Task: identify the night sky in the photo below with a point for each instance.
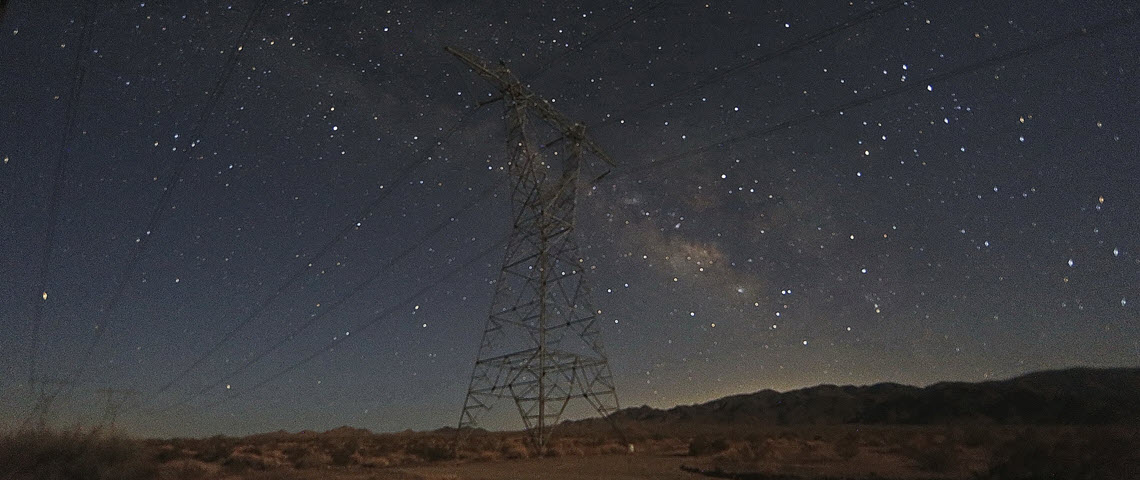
(805, 194)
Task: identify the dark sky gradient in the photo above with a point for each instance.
(977, 226)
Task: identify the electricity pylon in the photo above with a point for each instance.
(113, 400)
(44, 400)
(540, 346)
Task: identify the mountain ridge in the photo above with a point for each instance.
(1080, 395)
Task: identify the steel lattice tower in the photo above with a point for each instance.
(540, 346)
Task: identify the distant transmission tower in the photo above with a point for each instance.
(113, 400)
(44, 400)
(540, 346)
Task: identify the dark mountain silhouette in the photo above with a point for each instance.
(347, 431)
(1078, 396)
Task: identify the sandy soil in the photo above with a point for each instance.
(616, 467)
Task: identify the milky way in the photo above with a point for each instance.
(233, 208)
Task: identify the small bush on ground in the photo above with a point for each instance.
(75, 454)
(1033, 455)
(847, 446)
(343, 454)
(932, 454)
(216, 449)
(430, 451)
(702, 445)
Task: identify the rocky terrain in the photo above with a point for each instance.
(1078, 423)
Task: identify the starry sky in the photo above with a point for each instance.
(287, 215)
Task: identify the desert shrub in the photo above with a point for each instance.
(216, 449)
(847, 446)
(703, 445)
(743, 452)
(477, 444)
(305, 456)
(876, 440)
(167, 453)
(939, 457)
(431, 451)
(481, 455)
(248, 457)
(311, 458)
(369, 462)
(1031, 456)
(188, 469)
(566, 448)
(808, 449)
(271, 475)
(72, 455)
(294, 452)
(614, 448)
(513, 450)
(342, 454)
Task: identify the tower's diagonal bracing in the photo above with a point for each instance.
(541, 346)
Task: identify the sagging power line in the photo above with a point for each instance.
(657, 164)
(259, 308)
(363, 326)
(63, 155)
(541, 346)
(333, 306)
(628, 19)
(141, 242)
(850, 22)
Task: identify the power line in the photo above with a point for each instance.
(164, 199)
(365, 213)
(735, 69)
(594, 37)
(403, 174)
(934, 79)
(380, 271)
(388, 312)
(541, 300)
(62, 156)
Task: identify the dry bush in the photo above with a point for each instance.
(215, 449)
(702, 445)
(251, 457)
(485, 456)
(1103, 454)
(310, 458)
(809, 449)
(569, 449)
(513, 449)
(277, 475)
(932, 453)
(187, 469)
(430, 449)
(384, 446)
(847, 446)
(74, 454)
(742, 453)
(613, 449)
(342, 453)
(370, 462)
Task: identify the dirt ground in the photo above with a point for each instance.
(862, 452)
(615, 467)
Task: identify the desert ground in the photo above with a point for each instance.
(582, 452)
